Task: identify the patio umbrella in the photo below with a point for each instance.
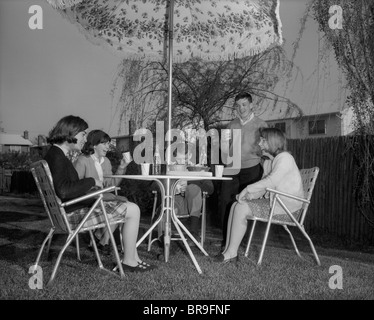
(177, 30)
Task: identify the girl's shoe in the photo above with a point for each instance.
(103, 249)
(145, 264)
(141, 267)
(221, 259)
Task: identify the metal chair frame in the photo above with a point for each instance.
(309, 177)
(55, 210)
(203, 220)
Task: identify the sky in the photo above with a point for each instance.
(49, 73)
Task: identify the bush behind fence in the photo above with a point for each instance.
(333, 209)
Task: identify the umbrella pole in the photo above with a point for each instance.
(170, 43)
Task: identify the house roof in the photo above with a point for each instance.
(281, 111)
(14, 140)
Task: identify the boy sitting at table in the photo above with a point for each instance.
(188, 196)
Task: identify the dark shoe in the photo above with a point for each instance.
(103, 249)
(191, 243)
(223, 246)
(221, 259)
(194, 225)
(142, 267)
(119, 248)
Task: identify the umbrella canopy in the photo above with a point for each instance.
(157, 30)
(208, 29)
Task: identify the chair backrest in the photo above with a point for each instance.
(52, 204)
(309, 177)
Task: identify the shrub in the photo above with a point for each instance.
(17, 160)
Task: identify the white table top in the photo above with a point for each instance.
(166, 176)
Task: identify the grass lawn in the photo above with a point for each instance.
(282, 274)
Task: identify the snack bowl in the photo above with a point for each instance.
(177, 167)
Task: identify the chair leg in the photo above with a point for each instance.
(250, 238)
(49, 245)
(293, 240)
(311, 244)
(77, 246)
(267, 232)
(121, 237)
(203, 221)
(301, 228)
(67, 243)
(114, 245)
(47, 238)
(153, 215)
(99, 262)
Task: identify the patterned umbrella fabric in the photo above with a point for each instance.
(208, 29)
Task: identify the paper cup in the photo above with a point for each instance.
(145, 168)
(127, 157)
(219, 170)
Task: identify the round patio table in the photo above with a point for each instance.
(167, 184)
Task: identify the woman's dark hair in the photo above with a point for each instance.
(243, 95)
(276, 140)
(66, 129)
(94, 138)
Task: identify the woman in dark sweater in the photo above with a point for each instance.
(69, 134)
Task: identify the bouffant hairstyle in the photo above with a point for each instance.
(276, 140)
(66, 129)
(243, 95)
(94, 138)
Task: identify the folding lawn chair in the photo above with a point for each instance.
(296, 219)
(58, 218)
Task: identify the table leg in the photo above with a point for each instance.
(167, 216)
(178, 222)
(187, 247)
(150, 229)
(159, 219)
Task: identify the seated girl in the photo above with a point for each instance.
(68, 135)
(283, 175)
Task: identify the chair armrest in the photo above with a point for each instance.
(116, 190)
(287, 195)
(88, 196)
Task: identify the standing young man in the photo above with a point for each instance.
(251, 169)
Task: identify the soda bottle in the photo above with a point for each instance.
(203, 156)
(157, 162)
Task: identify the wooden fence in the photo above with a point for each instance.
(333, 209)
(5, 180)
(16, 181)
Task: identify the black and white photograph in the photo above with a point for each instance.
(187, 156)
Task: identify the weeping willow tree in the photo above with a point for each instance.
(202, 91)
(348, 29)
(138, 92)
